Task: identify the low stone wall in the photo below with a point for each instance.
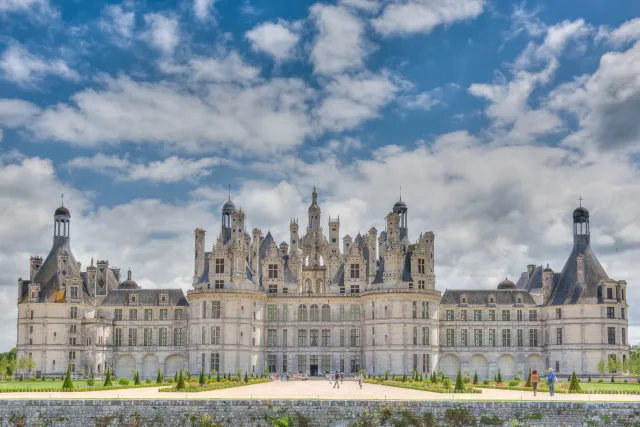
(347, 413)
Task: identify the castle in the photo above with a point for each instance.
(309, 306)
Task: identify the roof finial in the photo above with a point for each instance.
(400, 193)
(580, 198)
(62, 197)
(229, 192)
(129, 274)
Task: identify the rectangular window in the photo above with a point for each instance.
(72, 355)
(285, 339)
(342, 315)
(609, 293)
(506, 315)
(533, 337)
(463, 315)
(415, 362)
(133, 314)
(622, 313)
(355, 289)
(215, 335)
(611, 313)
(272, 312)
(214, 365)
(426, 363)
(492, 315)
(72, 329)
(623, 337)
(273, 271)
(477, 315)
(355, 337)
(219, 266)
(506, 337)
(420, 284)
(425, 310)
(558, 336)
(215, 309)
(354, 269)
(415, 335)
(341, 363)
(273, 289)
(326, 363)
(342, 340)
(355, 364)
(557, 366)
(74, 313)
(520, 338)
(148, 314)
(147, 336)
(271, 362)
(448, 315)
(204, 309)
(72, 341)
(162, 337)
(492, 337)
(326, 338)
(611, 334)
(464, 338)
(74, 292)
(285, 368)
(117, 341)
(519, 315)
(164, 314)
(285, 313)
(302, 338)
(477, 337)
(302, 362)
(420, 265)
(425, 335)
(450, 337)
(533, 315)
(355, 312)
(177, 336)
(218, 284)
(178, 314)
(414, 306)
(558, 313)
(314, 337)
(203, 336)
(272, 337)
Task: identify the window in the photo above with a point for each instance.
(609, 293)
(449, 314)
(415, 309)
(148, 314)
(302, 362)
(506, 315)
(355, 337)
(477, 337)
(117, 339)
(415, 362)
(272, 337)
(611, 313)
(74, 313)
(355, 289)
(203, 336)
(492, 315)
(133, 336)
(342, 314)
(464, 338)
(425, 310)
(341, 363)
(219, 266)
(342, 341)
(147, 336)
(313, 337)
(533, 316)
(326, 338)
(177, 336)
(425, 335)
(215, 362)
(426, 363)
(302, 338)
(314, 312)
(284, 363)
(215, 309)
(506, 337)
(557, 366)
(164, 314)
(215, 335)
(533, 337)
(273, 289)
(326, 313)
(450, 337)
(519, 315)
(355, 364)
(204, 309)
(72, 329)
(72, 341)
(463, 315)
(74, 292)
(622, 313)
(420, 265)
(285, 313)
(519, 338)
(326, 363)
(31, 315)
(133, 314)
(162, 336)
(623, 337)
(302, 313)
(272, 312)
(492, 337)
(558, 336)
(354, 269)
(271, 362)
(477, 315)
(415, 335)
(558, 313)
(420, 284)
(373, 336)
(72, 355)
(611, 335)
(355, 312)
(273, 271)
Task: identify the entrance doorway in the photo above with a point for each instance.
(314, 370)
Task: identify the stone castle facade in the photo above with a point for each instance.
(310, 306)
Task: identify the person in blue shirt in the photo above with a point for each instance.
(552, 379)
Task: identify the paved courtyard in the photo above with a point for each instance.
(318, 389)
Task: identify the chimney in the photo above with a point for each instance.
(530, 269)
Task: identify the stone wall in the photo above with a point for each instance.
(108, 413)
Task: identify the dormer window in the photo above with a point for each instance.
(133, 299)
(164, 299)
(34, 292)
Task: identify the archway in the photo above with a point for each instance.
(534, 361)
(124, 365)
(149, 366)
(449, 364)
(507, 365)
(479, 364)
(173, 364)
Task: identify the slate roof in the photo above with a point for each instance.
(338, 279)
(533, 283)
(481, 297)
(288, 277)
(146, 297)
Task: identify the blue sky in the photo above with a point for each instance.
(493, 116)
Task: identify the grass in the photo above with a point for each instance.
(194, 387)
(54, 386)
(422, 385)
(35, 385)
(611, 386)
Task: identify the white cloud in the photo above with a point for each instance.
(162, 32)
(20, 66)
(625, 33)
(365, 5)
(202, 8)
(340, 43)
(171, 169)
(23, 5)
(422, 16)
(225, 69)
(16, 112)
(275, 39)
(118, 22)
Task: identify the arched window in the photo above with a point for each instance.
(307, 286)
(319, 285)
(326, 313)
(315, 313)
(302, 313)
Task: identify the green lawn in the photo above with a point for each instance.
(610, 386)
(34, 385)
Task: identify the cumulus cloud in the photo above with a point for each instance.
(365, 5)
(275, 39)
(625, 33)
(202, 8)
(25, 6)
(163, 32)
(19, 65)
(422, 16)
(340, 43)
(230, 68)
(118, 23)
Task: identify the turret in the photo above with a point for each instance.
(227, 211)
(314, 211)
(199, 254)
(401, 209)
(581, 233)
(284, 249)
(35, 263)
(293, 236)
(547, 284)
(61, 224)
(334, 235)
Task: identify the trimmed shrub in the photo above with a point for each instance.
(68, 384)
(91, 382)
(123, 381)
(475, 378)
(459, 384)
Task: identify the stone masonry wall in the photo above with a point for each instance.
(350, 413)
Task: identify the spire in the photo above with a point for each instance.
(229, 192)
(62, 197)
(129, 274)
(400, 193)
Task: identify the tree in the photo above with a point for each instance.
(611, 365)
(404, 377)
(459, 384)
(499, 379)
(22, 363)
(4, 365)
(136, 379)
(246, 377)
(574, 385)
(176, 378)
(159, 377)
(601, 367)
(386, 375)
(201, 380)
(30, 365)
(180, 385)
(218, 377)
(187, 373)
(67, 385)
(625, 366)
(528, 383)
(107, 379)
(475, 378)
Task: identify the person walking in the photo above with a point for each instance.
(336, 383)
(552, 379)
(360, 379)
(534, 381)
